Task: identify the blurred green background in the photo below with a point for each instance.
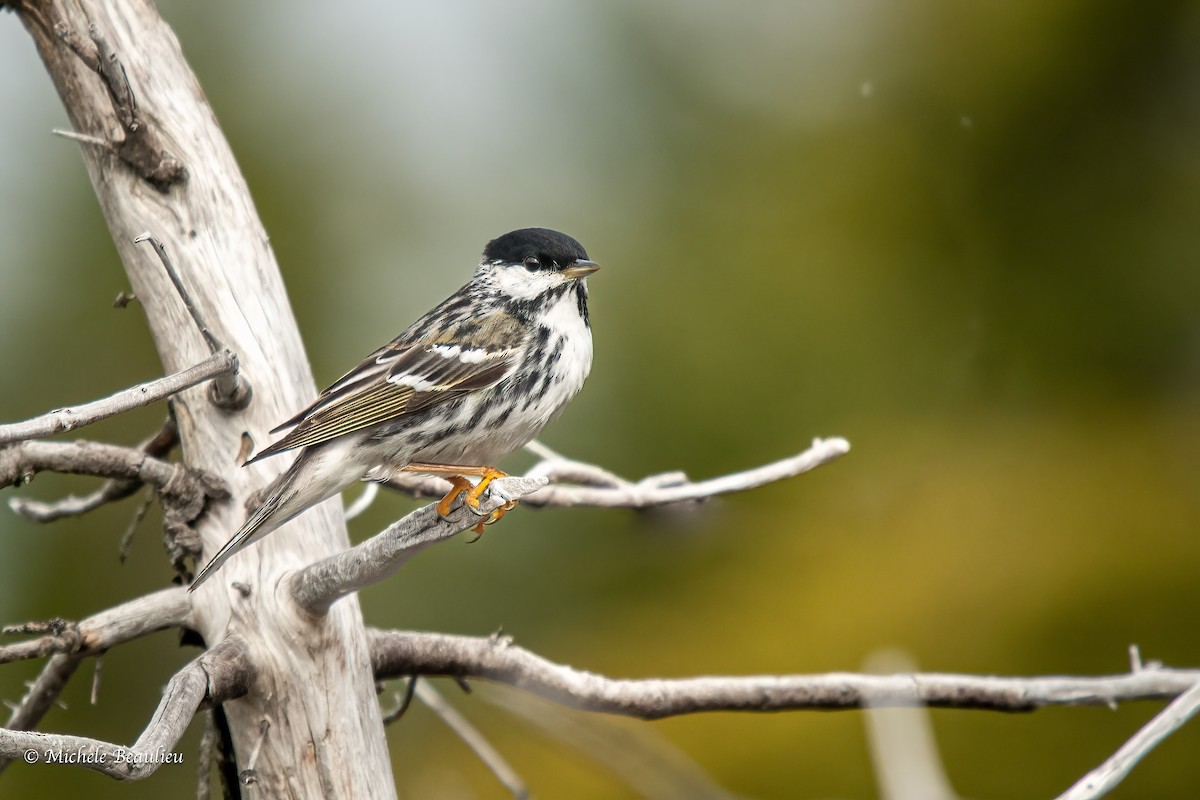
(964, 236)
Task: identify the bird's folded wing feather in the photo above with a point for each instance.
(397, 379)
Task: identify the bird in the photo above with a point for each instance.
(473, 380)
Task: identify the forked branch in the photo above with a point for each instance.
(579, 484)
(168, 608)
(221, 674)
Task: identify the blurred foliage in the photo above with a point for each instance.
(963, 236)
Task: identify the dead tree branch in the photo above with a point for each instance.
(69, 643)
(602, 489)
(1104, 778)
(157, 446)
(496, 658)
(228, 391)
(186, 494)
(66, 419)
(148, 104)
(317, 586)
(42, 695)
(221, 674)
(168, 608)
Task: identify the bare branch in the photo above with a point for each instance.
(85, 138)
(221, 674)
(21, 461)
(42, 694)
(475, 740)
(602, 489)
(168, 608)
(157, 446)
(496, 658)
(185, 493)
(228, 390)
(318, 585)
(66, 419)
(72, 505)
(1104, 778)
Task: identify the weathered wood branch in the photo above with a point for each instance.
(1104, 778)
(167, 608)
(496, 658)
(602, 489)
(318, 585)
(165, 167)
(222, 674)
(42, 695)
(66, 419)
(112, 490)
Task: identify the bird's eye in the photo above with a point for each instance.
(532, 263)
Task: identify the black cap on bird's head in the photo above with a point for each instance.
(540, 248)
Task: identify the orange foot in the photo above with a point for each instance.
(459, 485)
(454, 473)
(494, 518)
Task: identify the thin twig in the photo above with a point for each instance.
(247, 777)
(214, 345)
(318, 585)
(473, 739)
(66, 419)
(396, 653)
(221, 674)
(1104, 778)
(42, 695)
(405, 700)
(72, 505)
(185, 493)
(229, 390)
(139, 514)
(85, 138)
(96, 672)
(606, 490)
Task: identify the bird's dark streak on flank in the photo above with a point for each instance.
(549, 374)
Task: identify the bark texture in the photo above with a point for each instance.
(165, 168)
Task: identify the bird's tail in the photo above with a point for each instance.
(254, 529)
(316, 475)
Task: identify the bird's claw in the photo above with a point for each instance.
(493, 518)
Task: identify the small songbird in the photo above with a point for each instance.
(464, 386)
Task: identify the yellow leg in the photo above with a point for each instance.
(454, 473)
(459, 486)
(489, 476)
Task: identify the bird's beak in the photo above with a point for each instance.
(580, 269)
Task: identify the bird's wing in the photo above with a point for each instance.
(404, 377)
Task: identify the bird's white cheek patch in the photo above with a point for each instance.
(520, 284)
